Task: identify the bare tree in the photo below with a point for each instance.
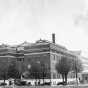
(3, 70)
(13, 71)
(77, 66)
(63, 66)
(38, 71)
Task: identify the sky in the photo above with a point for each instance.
(30, 20)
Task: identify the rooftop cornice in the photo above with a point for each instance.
(33, 47)
(57, 47)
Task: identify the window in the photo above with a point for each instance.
(85, 78)
(54, 57)
(58, 75)
(54, 75)
(20, 59)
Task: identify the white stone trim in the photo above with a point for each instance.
(7, 56)
(36, 53)
(42, 53)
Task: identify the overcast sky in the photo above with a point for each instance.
(30, 20)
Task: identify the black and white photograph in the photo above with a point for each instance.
(43, 43)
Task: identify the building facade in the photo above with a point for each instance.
(42, 52)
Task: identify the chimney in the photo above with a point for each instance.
(53, 37)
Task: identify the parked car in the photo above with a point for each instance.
(3, 84)
(29, 84)
(72, 82)
(20, 83)
(61, 83)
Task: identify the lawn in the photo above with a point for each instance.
(48, 87)
(80, 86)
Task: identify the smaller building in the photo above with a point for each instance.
(84, 77)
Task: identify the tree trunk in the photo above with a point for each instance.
(4, 77)
(4, 80)
(63, 77)
(66, 78)
(43, 77)
(76, 77)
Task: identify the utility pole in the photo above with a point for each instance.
(76, 72)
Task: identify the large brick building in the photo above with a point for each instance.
(42, 51)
